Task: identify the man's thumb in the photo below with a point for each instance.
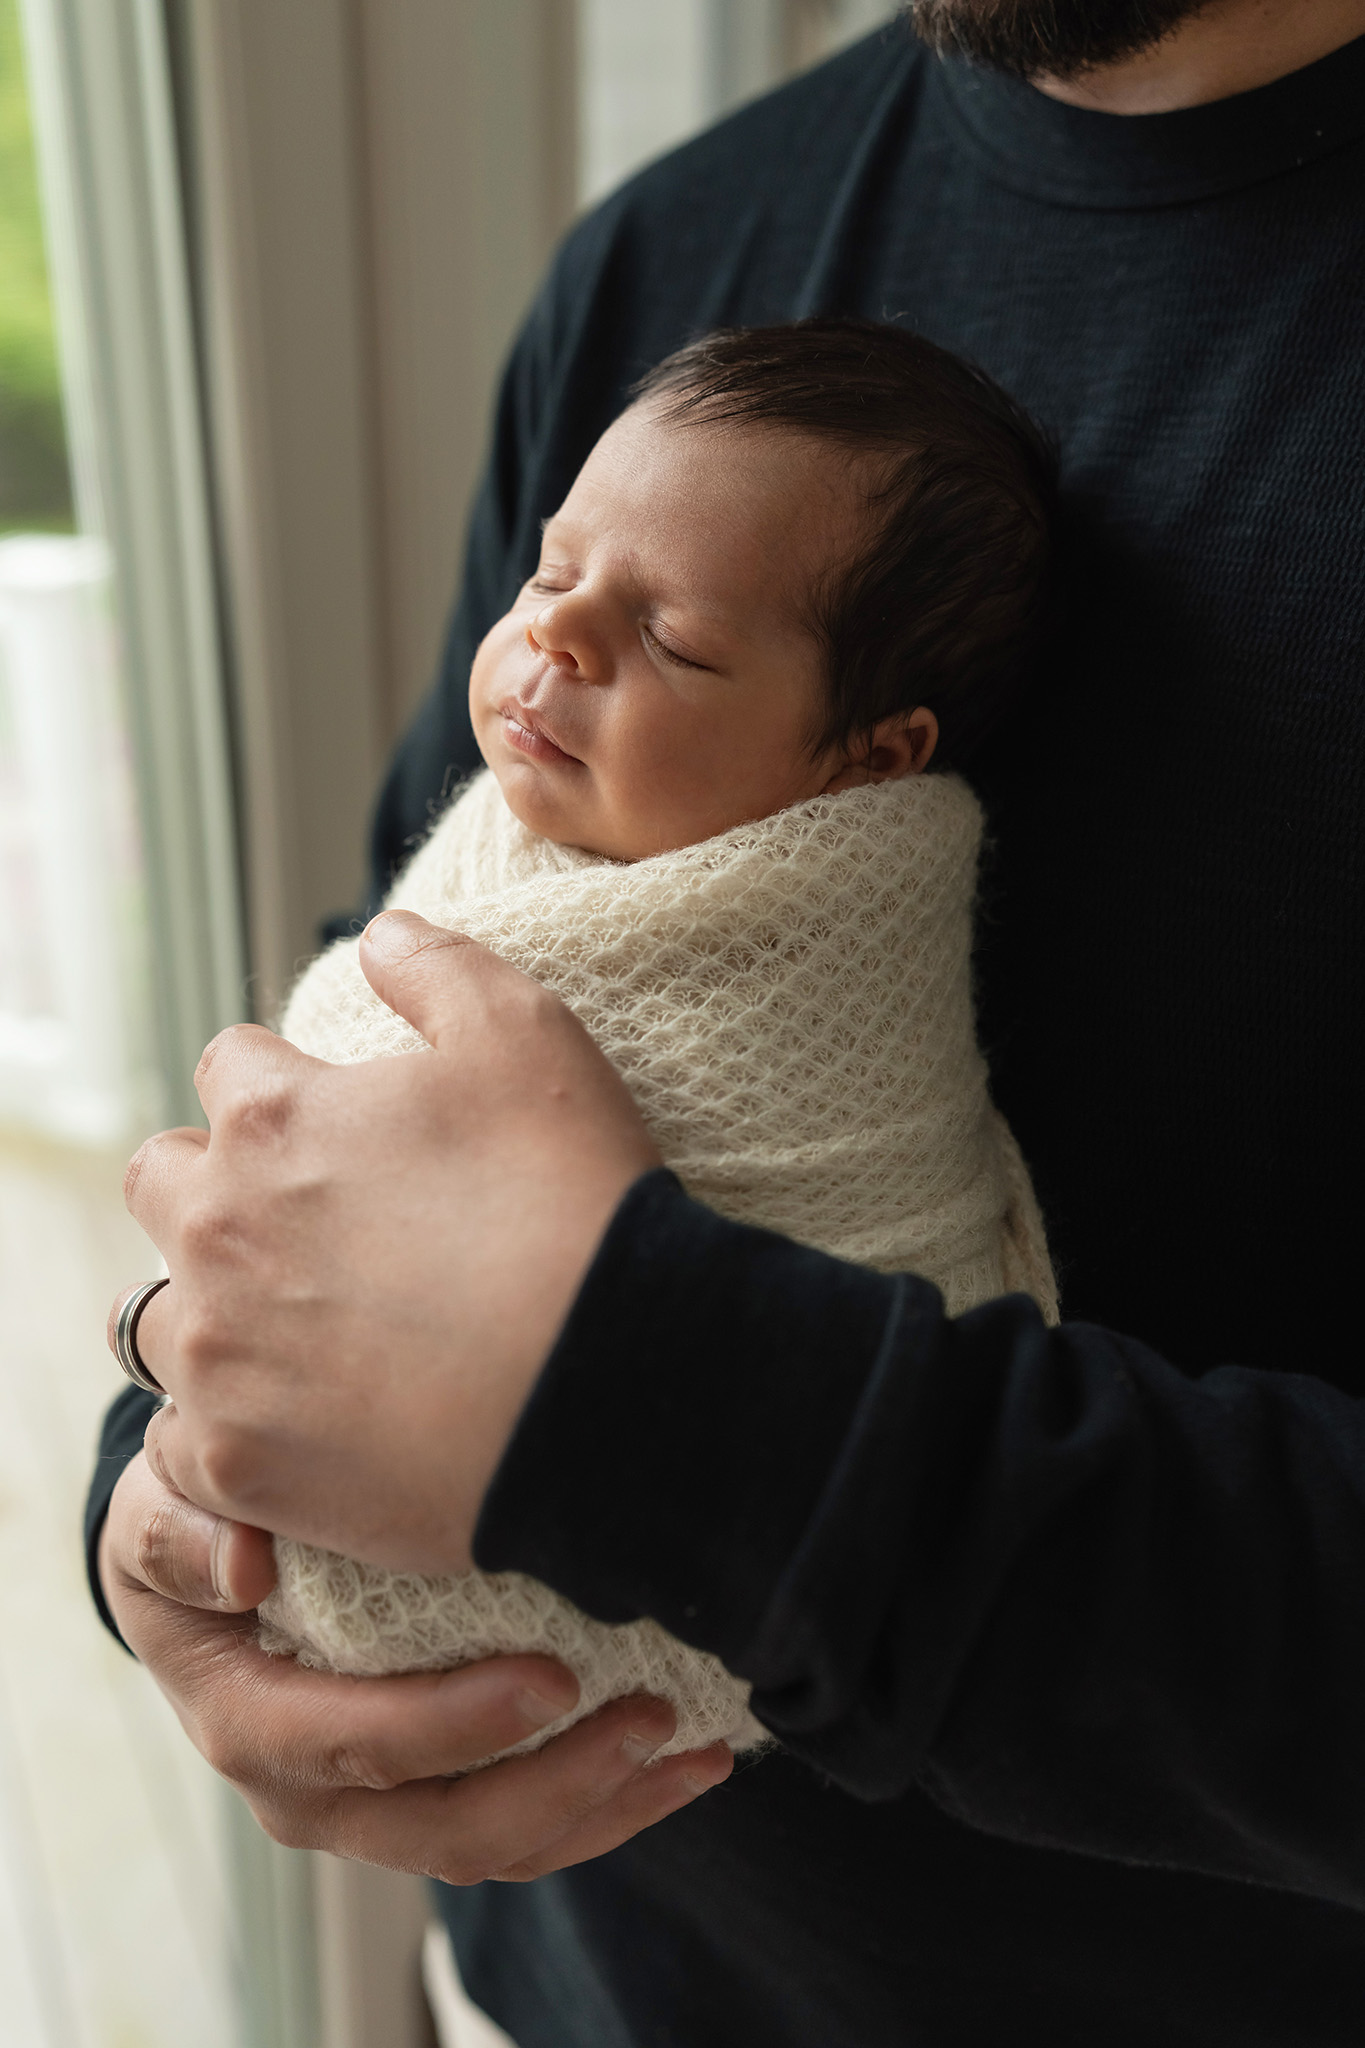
(415, 967)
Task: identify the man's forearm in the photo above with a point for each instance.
(1075, 1595)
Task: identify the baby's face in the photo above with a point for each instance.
(653, 684)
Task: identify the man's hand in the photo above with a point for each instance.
(358, 1766)
(369, 1264)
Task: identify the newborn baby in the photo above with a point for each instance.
(805, 564)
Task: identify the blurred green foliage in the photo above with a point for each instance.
(35, 484)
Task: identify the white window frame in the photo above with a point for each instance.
(107, 162)
(100, 93)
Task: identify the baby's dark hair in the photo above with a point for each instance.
(944, 603)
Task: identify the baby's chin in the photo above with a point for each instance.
(537, 801)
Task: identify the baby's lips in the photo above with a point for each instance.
(528, 731)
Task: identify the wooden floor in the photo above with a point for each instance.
(112, 1910)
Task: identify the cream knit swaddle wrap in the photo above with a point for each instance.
(790, 1005)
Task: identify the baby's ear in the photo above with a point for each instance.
(901, 745)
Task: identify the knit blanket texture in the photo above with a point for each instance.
(790, 1005)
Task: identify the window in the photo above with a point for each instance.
(117, 1921)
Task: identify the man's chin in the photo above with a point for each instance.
(1047, 38)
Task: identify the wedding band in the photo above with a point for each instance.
(125, 1337)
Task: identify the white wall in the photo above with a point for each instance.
(651, 72)
(468, 120)
(376, 187)
(644, 83)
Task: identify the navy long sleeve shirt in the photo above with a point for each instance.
(1062, 1633)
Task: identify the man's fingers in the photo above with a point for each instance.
(220, 1470)
(379, 1735)
(650, 1796)
(203, 1560)
(460, 995)
(419, 969)
(297, 1741)
(151, 1334)
(168, 1546)
(366, 1767)
(172, 1454)
(505, 1816)
(157, 1176)
(244, 1079)
(281, 1732)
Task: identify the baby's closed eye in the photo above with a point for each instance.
(653, 638)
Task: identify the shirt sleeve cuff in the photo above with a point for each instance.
(121, 1434)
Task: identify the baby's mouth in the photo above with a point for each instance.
(525, 732)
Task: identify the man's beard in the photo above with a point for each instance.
(1053, 38)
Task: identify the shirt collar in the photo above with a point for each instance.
(1075, 157)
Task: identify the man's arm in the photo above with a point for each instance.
(359, 1767)
(1082, 1600)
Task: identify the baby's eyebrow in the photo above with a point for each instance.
(552, 529)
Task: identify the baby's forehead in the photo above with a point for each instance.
(802, 497)
(733, 443)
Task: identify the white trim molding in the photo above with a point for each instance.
(100, 93)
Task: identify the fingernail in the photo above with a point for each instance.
(698, 1782)
(218, 1562)
(638, 1747)
(537, 1710)
(393, 934)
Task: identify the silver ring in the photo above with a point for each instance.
(125, 1337)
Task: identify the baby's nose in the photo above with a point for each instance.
(541, 639)
(566, 642)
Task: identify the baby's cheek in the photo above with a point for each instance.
(491, 674)
(643, 791)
